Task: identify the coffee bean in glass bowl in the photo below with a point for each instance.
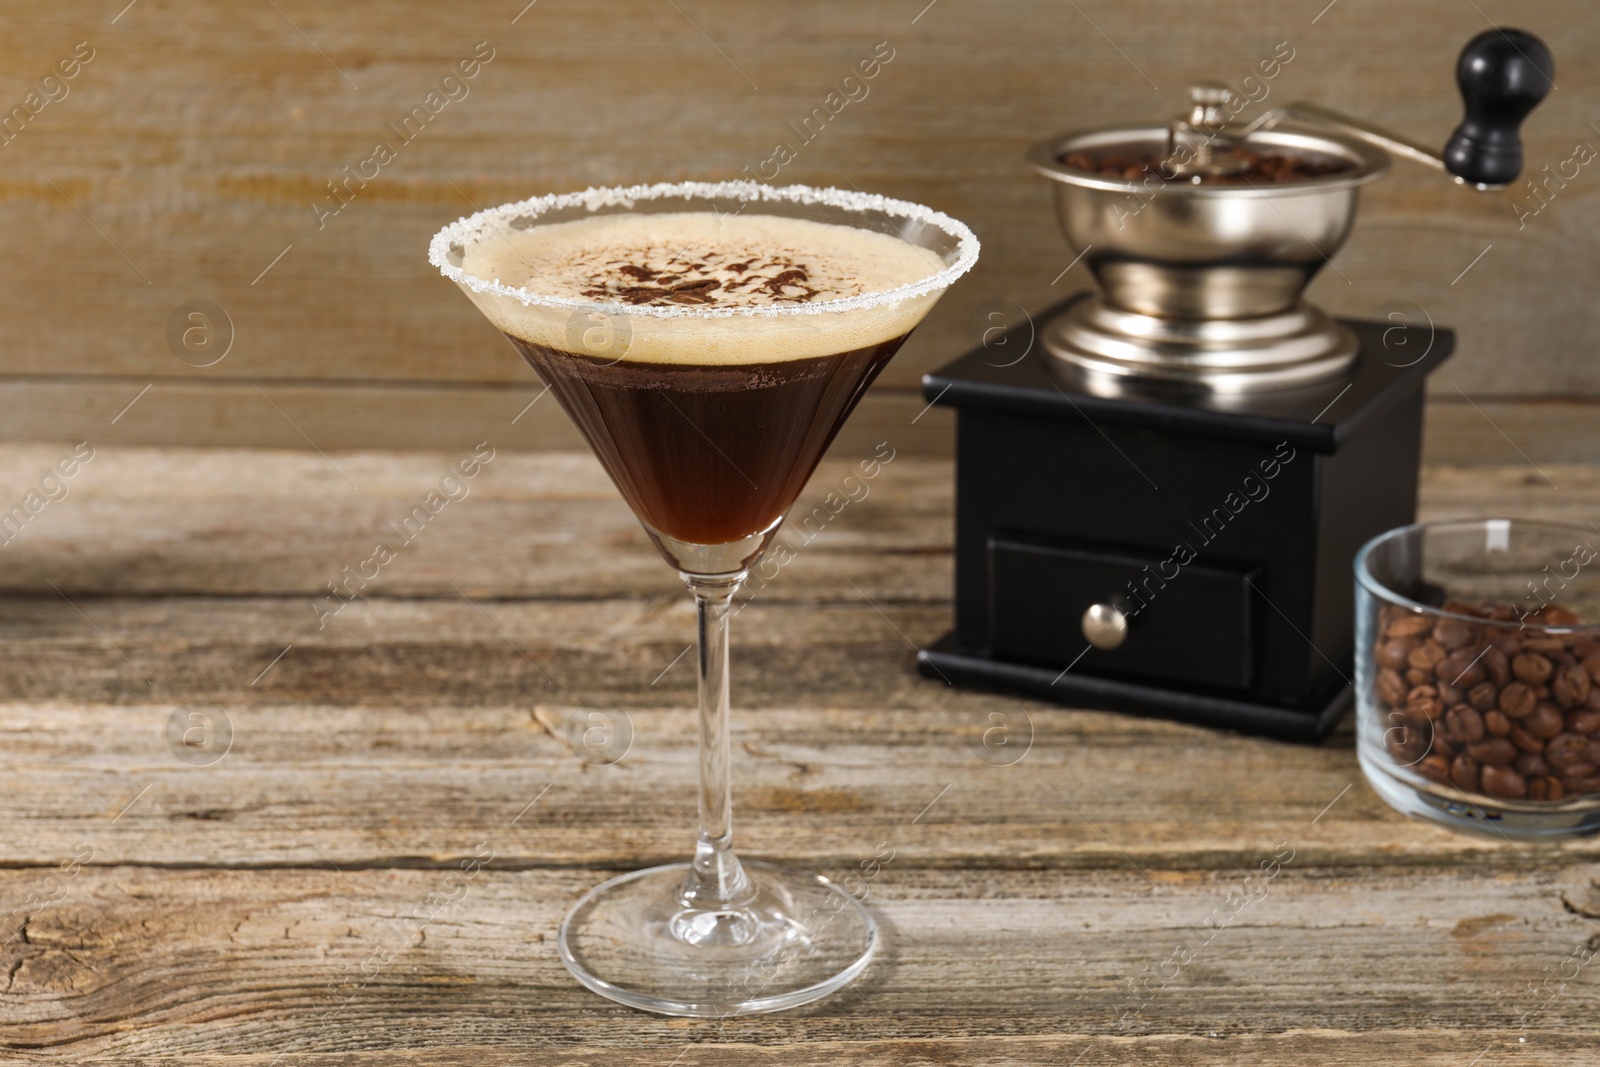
(1478, 675)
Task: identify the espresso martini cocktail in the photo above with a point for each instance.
(710, 426)
(708, 341)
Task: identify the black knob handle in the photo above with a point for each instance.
(1502, 74)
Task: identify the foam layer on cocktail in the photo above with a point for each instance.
(776, 288)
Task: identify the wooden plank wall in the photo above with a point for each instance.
(184, 159)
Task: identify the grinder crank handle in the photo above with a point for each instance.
(1503, 74)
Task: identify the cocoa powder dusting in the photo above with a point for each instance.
(782, 279)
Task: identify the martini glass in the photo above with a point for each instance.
(710, 417)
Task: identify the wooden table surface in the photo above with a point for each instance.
(279, 890)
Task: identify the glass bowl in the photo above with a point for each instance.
(1478, 675)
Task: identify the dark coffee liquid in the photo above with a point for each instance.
(709, 454)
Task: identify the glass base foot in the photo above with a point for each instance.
(632, 939)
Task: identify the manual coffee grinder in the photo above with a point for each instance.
(1158, 503)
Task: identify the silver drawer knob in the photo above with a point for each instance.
(1104, 626)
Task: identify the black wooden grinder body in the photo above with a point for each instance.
(1225, 532)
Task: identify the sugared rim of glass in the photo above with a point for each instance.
(468, 230)
(1369, 582)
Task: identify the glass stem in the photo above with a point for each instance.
(716, 880)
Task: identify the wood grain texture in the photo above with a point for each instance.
(405, 416)
(429, 417)
(190, 151)
(210, 523)
(1533, 435)
(300, 962)
(1424, 1048)
(269, 904)
(218, 522)
(390, 786)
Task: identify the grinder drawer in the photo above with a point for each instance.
(1197, 626)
